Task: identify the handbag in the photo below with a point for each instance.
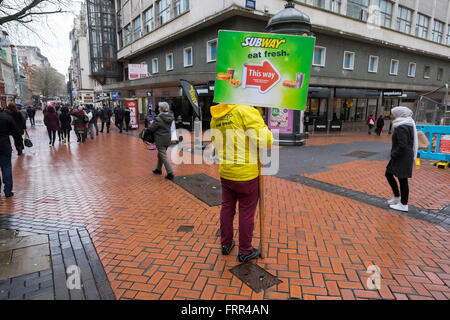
(27, 142)
(147, 136)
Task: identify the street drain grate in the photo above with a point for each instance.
(203, 187)
(185, 229)
(255, 277)
(361, 154)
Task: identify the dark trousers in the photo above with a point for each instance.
(247, 193)
(127, 124)
(96, 127)
(66, 134)
(32, 122)
(163, 159)
(404, 187)
(119, 124)
(6, 168)
(370, 128)
(52, 136)
(108, 125)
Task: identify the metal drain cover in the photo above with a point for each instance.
(254, 276)
(185, 229)
(203, 187)
(361, 154)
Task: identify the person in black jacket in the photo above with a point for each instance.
(21, 124)
(405, 144)
(7, 128)
(65, 120)
(106, 115)
(127, 118)
(118, 116)
(31, 114)
(380, 125)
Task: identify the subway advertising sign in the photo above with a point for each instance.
(266, 70)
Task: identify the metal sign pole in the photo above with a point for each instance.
(261, 210)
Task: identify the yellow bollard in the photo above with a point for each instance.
(418, 160)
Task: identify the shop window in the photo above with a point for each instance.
(440, 74)
(427, 72)
(373, 64)
(187, 54)
(422, 26)
(319, 56)
(393, 69)
(211, 51)
(149, 20)
(412, 70)
(404, 19)
(155, 65)
(349, 60)
(169, 62)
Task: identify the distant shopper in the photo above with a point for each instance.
(58, 113)
(66, 126)
(118, 117)
(90, 112)
(380, 125)
(97, 113)
(31, 110)
(20, 123)
(106, 115)
(161, 128)
(80, 124)
(7, 128)
(403, 155)
(127, 118)
(371, 123)
(239, 172)
(51, 121)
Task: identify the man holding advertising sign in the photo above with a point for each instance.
(253, 69)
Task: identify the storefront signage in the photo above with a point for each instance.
(281, 119)
(150, 111)
(251, 4)
(137, 71)
(262, 69)
(114, 95)
(393, 93)
(132, 105)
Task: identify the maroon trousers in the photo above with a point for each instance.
(247, 193)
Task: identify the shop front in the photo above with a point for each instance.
(316, 111)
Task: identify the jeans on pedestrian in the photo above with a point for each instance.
(108, 125)
(96, 127)
(32, 121)
(52, 136)
(6, 168)
(247, 193)
(91, 130)
(163, 159)
(404, 187)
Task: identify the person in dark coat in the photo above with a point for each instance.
(161, 129)
(97, 114)
(31, 114)
(106, 115)
(118, 116)
(127, 118)
(7, 128)
(380, 126)
(405, 144)
(66, 126)
(20, 123)
(51, 121)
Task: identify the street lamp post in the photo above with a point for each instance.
(295, 22)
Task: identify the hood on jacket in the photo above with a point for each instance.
(166, 117)
(222, 110)
(50, 109)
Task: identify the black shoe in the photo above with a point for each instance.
(226, 250)
(156, 171)
(252, 255)
(9, 195)
(170, 176)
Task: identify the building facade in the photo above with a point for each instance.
(370, 55)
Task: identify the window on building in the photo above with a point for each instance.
(319, 56)
(180, 6)
(440, 74)
(448, 35)
(187, 57)
(404, 20)
(331, 5)
(422, 26)
(163, 7)
(128, 35)
(149, 17)
(438, 31)
(383, 12)
(137, 28)
(373, 64)
(412, 70)
(357, 9)
(155, 66)
(169, 61)
(120, 36)
(211, 51)
(393, 69)
(349, 60)
(427, 72)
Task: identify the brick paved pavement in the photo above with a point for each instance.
(318, 244)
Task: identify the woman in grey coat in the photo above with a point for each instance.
(161, 129)
(405, 144)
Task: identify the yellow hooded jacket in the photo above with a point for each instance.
(245, 126)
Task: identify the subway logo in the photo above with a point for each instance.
(263, 42)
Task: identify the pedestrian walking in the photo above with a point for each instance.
(97, 114)
(106, 115)
(239, 172)
(31, 110)
(118, 117)
(51, 121)
(161, 129)
(20, 123)
(380, 125)
(90, 112)
(371, 123)
(66, 126)
(24, 113)
(127, 118)
(58, 113)
(405, 144)
(80, 123)
(7, 128)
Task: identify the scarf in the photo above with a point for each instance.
(403, 116)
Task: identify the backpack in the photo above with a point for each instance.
(147, 136)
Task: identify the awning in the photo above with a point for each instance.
(356, 93)
(318, 92)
